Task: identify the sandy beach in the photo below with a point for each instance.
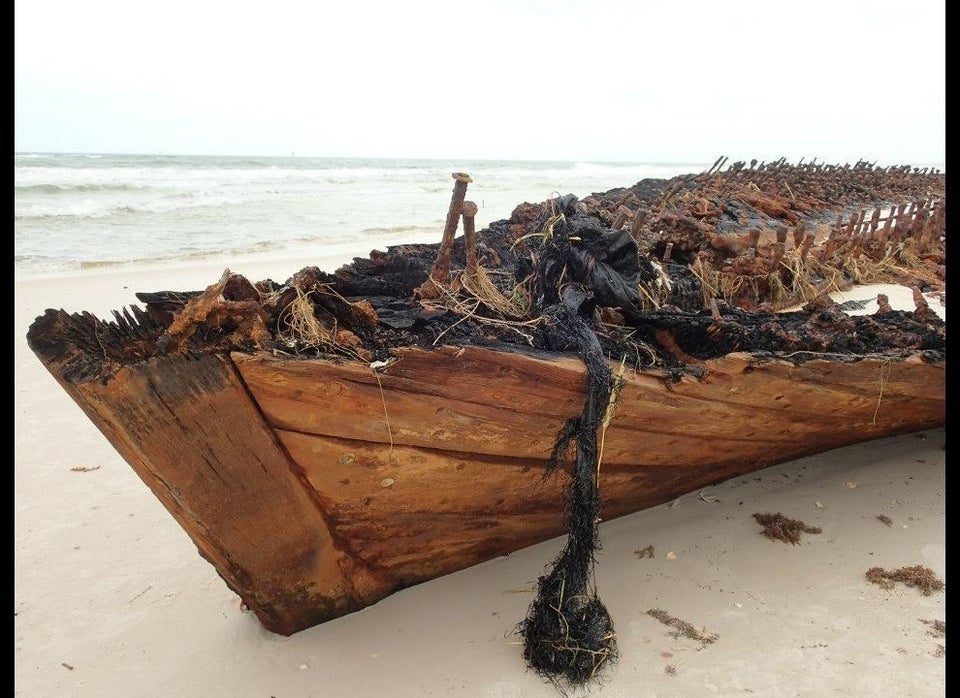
(112, 599)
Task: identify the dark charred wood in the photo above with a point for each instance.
(735, 222)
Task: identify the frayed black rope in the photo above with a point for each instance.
(568, 632)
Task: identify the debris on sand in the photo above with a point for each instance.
(938, 630)
(683, 628)
(645, 552)
(884, 519)
(918, 576)
(779, 527)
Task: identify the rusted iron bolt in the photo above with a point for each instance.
(469, 210)
(441, 269)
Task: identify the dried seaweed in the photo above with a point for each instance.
(938, 628)
(645, 552)
(683, 628)
(779, 527)
(917, 576)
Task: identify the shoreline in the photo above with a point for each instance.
(122, 284)
(319, 255)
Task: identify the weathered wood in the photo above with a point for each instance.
(741, 409)
(188, 428)
(458, 465)
(415, 513)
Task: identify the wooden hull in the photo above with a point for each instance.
(316, 487)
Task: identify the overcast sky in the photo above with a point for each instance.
(600, 80)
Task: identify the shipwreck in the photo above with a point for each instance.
(332, 438)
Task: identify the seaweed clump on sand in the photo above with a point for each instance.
(917, 576)
(779, 527)
(683, 628)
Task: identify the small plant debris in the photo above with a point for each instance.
(84, 469)
(884, 519)
(683, 628)
(938, 630)
(645, 552)
(779, 527)
(670, 670)
(917, 576)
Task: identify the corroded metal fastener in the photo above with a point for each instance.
(620, 218)
(638, 219)
(922, 310)
(806, 245)
(667, 252)
(469, 210)
(883, 303)
(715, 310)
(779, 248)
(441, 268)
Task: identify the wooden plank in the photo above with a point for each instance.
(429, 399)
(474, 400)
(775, 410)
(412, 513)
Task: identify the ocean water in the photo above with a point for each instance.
(77, 213)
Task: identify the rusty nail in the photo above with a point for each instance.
(441, 269)
(667, 252)
(620, 218)
(469, 210)
(715, 310)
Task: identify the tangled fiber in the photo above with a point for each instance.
(568, 633)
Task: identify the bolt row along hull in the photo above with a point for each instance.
(318, 486)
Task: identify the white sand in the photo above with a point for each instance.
(863, 299)
(112, 599)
